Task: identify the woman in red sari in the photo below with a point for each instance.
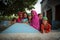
(20, 17)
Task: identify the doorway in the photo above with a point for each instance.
(49, 16)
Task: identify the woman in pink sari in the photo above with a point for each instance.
(20, 17)
(35, 20)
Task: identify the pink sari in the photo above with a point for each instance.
(35, 20)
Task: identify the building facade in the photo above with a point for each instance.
(51, 9)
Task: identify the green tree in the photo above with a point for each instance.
(13, 6)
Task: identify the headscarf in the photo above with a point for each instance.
(29, 14)
(19, 19)
(45, 18)
(35, 20)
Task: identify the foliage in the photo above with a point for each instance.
(8, 7)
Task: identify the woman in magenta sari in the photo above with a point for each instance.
(20, 17)
(35, 20)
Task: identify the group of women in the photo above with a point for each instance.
(33, 19)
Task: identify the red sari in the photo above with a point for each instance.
(19, 19)
(46, 28)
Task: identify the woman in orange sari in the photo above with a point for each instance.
(45, 26)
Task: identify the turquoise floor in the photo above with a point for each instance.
(20, 28)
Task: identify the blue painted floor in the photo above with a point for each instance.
(20, 28)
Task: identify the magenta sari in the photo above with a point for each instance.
(35, 20)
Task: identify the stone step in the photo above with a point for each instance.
(31, 36)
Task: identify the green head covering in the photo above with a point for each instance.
(29, 14)
(45, 18)
(24, 20)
